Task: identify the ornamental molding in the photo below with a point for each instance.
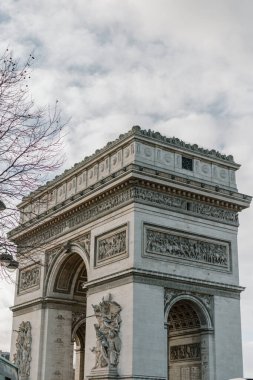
(177, 179)
(111, 246)
(108, 343)
(92, 210)
(29, 278)
(173, 245)
(22, 357)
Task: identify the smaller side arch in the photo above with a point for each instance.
(197, 304)
(81, 322)
(64, 253)
(190, 335)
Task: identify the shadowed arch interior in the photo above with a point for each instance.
(185, 324)
(182, 316)
(72, 270)
(70, 280)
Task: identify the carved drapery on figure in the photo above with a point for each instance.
(107, 349)
(22, 358)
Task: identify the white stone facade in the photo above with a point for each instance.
(147, 227)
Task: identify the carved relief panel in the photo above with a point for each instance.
(166, 244)
(185, 352)
(29, 278)
(111, 246)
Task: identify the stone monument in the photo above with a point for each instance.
(129, 264)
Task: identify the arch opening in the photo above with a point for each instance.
(79, 351)
(69, 282)
(186, 326)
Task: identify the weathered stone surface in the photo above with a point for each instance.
(151, 221)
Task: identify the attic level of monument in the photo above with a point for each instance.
(156, 137)
(141, 156)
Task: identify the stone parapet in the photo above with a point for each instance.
(138, 147)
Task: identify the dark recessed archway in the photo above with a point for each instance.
(184, 341)
(69, 282)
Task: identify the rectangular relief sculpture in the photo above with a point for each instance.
(29, 278)
(111, 246)
(169, 244)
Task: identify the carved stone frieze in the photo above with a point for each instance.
(29, 278)
(108, 345)
(22, 357)
(214, 212)
(111, 246)
(185, 352)
(134, 194)
(175, 245)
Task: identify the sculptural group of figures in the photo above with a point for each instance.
(22, 358)
(108, 343)
(164, 243)
(186, 351)
(29, 278)
(112, 245)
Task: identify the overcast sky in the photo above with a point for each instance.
(184, 68)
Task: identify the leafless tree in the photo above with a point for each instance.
(30, 141)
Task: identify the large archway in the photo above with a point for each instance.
(66, 281)
(188, 341)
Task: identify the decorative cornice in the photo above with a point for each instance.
(135, 190)
(43, 302)
(196, 190)
(139, 275)
(169, 280)
(131, 190)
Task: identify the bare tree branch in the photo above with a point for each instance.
(30, 142)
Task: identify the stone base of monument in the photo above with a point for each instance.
(103, 373)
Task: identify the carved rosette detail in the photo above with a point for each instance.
(108, 345)
(22, 357)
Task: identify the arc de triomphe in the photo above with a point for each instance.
(129, 263)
